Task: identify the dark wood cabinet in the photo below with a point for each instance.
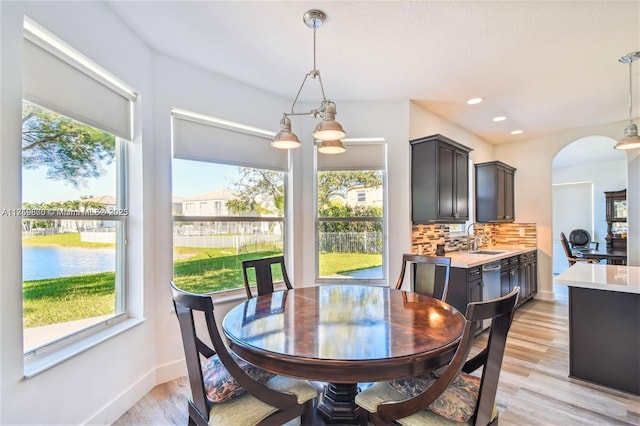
(509, 274)
(439, 180)
(465, 286)
(528, 276)
(616, 215)
(494, 192)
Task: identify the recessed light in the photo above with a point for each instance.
(474, 101)
(499, 118)
(517, 132)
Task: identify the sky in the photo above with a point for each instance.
(189, 178)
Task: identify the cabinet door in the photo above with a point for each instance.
(508, 195)
(446, 188)
(505, 282)
(474, 294)
(501, 193)
(461, 196)
(525, 279)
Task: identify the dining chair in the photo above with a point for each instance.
(263, 274)
(429, 274)
(453, 395)
(573, 257)
(225, 389)
(581, 239)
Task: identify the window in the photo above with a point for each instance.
(242, 182)
(74, 210)
(351, 215)
(457, 228)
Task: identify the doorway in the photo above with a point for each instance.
(586, 166)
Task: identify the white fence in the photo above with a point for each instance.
(240, 243)
(103, 236)
(350, 242)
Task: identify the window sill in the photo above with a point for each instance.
(37, 362)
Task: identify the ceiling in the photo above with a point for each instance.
(546, 65)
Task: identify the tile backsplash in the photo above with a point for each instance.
(424, 238)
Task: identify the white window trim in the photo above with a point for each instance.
(57, 351)
(241, 128)
(384, 281)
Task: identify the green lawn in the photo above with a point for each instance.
(64, 299)
(57, 300)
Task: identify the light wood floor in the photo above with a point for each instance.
(534, 388)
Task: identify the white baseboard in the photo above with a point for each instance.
(546, 295)
(170, 371)
(113, 410)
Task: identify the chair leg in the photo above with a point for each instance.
(307, 417)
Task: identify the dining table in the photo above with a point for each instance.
(343, 335)
(611, 256)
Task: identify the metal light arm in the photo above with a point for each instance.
(328, 131)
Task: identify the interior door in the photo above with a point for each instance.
(572, 209)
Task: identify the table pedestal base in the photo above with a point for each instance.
(338, 404)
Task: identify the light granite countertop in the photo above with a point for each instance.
(623, 279)
(466, 259)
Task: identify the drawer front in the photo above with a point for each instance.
(474, 273)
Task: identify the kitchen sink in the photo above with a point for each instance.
(488, 251)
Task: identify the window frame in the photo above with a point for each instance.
(118, 119)
(237, 129)
(384, 280)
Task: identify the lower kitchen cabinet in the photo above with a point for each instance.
(466, 284)
(459, 294)
(528, 276)
(509, 274)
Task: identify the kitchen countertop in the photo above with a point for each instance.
(465, 259)
(622, 279)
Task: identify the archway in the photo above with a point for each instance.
(582, 171)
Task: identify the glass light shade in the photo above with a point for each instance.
(331, 147)
(329, 130)
(631, 139)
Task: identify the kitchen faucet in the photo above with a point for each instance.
(472, 243)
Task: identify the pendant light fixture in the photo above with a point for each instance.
(328, 132)
(631, 139)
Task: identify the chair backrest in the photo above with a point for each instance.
(580, 238)
(500, 311)
(185, 305)
(264, 274)
(429, 274)
(567, 249)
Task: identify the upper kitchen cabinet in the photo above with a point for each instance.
(494, 192)
(439, 180)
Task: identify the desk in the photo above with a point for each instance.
(613, 257)
(344, 334)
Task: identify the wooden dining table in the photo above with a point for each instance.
(344, 335)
